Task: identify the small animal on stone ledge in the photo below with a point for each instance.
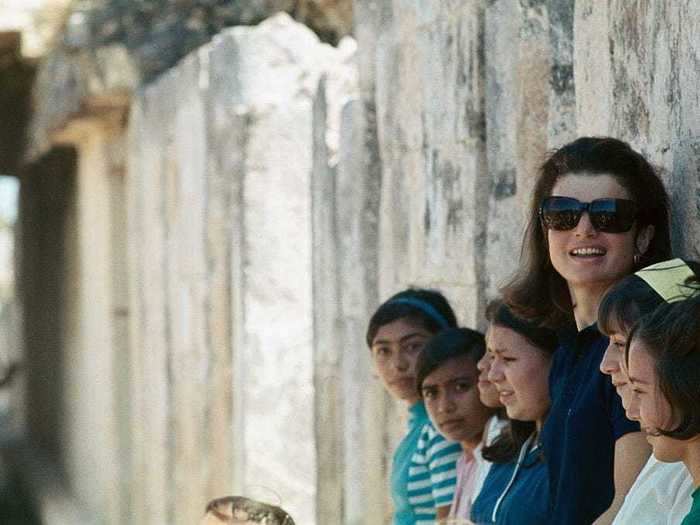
(243, 511)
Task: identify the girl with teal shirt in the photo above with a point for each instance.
(423, 474)
(663, 365)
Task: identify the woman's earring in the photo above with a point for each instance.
(637, 258)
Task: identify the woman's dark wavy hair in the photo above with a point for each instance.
(507, 445)
(448, 344)
(671, 335)
(632, 298)
(391, 311)
(537, 291)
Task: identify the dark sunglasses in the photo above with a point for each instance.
(607, 215)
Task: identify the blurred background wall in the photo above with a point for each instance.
(215, 195)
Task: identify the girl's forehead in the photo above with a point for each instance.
(640, 364)
(402, 327)
(454, 367)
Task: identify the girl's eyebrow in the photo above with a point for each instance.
(468, 378)
(404, 338)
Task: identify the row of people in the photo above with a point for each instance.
(589, 358)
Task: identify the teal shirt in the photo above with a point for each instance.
(423, 474)
(693, 517)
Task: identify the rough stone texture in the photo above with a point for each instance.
(638, 63)
(220, 200)
(108, 48)
(530, 108)
(469, 97)
(243, 211)
(431, 138)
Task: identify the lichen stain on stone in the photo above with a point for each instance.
(447, 177)
(504, 184)
(630, 24)
(562, 79)
(631, 108)
(532, 4)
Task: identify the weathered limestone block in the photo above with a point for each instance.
(151, 160)
(530, 108)
(328, 347)
(220, 187)
(636, 83)
(109, 48)
(431, 128)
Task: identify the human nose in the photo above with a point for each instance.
(495, 372)
(585, 228)
(609, 365)
(446, 403)
(400, 361)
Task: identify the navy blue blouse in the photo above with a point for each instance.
(513, 495)
(584, 421)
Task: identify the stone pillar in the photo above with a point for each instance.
(221, 193)
(95, 444)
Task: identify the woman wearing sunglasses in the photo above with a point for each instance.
(599, 213)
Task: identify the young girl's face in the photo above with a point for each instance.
(584, 256)
(613, 364)
(487, 390)
(652, 406)
(394, 350)
(452, 399)
(520, 372)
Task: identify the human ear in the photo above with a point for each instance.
(644, 237)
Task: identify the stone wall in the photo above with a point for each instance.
(107, 49)
(221, 150)
(268, 216)
(470, 95)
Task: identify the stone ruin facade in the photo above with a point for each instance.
(206, 229)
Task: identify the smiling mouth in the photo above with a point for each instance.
(505, 395)
(588, 252)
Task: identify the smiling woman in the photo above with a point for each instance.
(599, 212)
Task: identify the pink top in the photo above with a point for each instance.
(466, 480)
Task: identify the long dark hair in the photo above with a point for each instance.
(671, 335)
(537, 291)
(507, 445)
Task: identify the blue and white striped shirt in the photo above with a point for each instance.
(424, 471)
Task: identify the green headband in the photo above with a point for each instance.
(668, 279)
